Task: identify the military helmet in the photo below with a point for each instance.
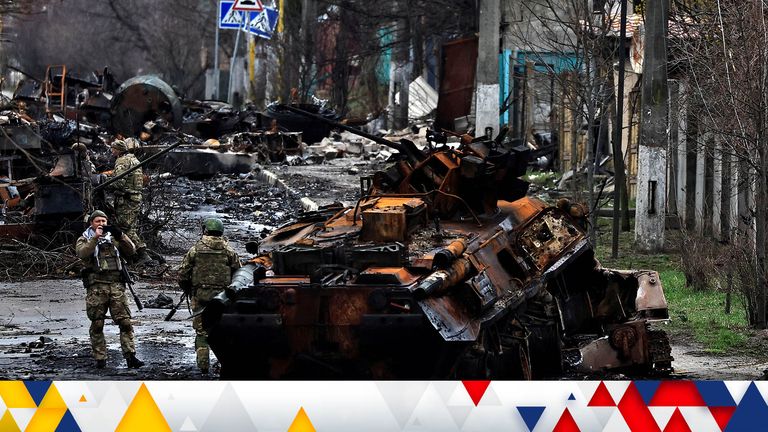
(95, 214)
(132, 143)
(213, 226)
(119, 145)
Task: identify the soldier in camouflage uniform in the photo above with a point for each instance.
(206, 270)
(101, 250)
(127, 192)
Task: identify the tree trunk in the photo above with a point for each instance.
(341, 62)
(575, 124)
(760, 219)
(306, 72)
(289, 53)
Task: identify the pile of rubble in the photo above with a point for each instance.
(55, 135)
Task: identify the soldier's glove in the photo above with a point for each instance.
(186, 287)
(116, 232)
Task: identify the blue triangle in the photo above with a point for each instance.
(68, 423)
(531, 415)
(571, 397)
(715, 393)
(37, 389)
(647, 389)
(751, 413)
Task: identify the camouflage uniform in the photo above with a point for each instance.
(105, 290)
(208, 268)
(127, 192)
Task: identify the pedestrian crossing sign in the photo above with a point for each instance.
(263, 24)
(229, 18)
(248, 5)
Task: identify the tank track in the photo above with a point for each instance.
(659, 351)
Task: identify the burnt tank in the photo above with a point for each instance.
(443, 268)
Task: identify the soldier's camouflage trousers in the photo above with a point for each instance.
(103, 296)
(126, 213)
(201, 336)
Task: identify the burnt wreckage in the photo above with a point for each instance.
(442, 269)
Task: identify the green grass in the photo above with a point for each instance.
(697, 315)
(702, 314)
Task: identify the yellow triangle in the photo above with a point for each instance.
(143, 414)
(15, 395)
(45, 419)
(8, 424)
(301, 423)
(52, 399)
(83, 399)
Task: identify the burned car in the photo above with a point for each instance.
(443, 268)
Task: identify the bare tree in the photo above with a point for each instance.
(721, 51)
(582, 43)
(132, 37)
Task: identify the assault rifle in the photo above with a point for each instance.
(175, 307)
(129, 282)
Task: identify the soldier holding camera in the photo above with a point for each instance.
(101, 248)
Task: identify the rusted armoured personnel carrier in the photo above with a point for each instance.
(442, 269)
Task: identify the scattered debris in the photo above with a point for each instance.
(162, 301)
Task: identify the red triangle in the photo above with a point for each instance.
(476, 389)
(602, 397)
(566, 423)
(635, 412)
(677, 423)
(722, 415)
(677, 393)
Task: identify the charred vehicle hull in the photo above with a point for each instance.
(443, 269)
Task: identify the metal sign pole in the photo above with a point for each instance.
(234, 56)
(216, 78)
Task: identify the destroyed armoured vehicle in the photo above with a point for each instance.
(442, 269)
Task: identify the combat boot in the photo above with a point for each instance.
(132, 361)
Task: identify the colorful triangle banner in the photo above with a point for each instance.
(476, 389)
(531, 415)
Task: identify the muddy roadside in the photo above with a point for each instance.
(43, 325)
(44, 335)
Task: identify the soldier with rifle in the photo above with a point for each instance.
(205, 271)
(127, 194)
(102, 248)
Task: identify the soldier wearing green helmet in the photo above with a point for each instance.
(127, 193)
(205, 271)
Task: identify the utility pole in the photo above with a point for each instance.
(618, 155)
(652, 151)
(487, 88)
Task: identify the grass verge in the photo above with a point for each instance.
(697, 315)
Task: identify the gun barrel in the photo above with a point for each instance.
(441, 280)
(139, 165)
(175, 307)
(397, 146)
(136, 298)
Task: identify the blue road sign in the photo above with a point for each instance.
(262, 24)
(228, 17)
